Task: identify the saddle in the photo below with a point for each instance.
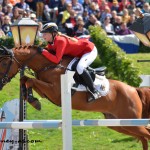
(97, 74)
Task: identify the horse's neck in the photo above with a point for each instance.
(37, 62)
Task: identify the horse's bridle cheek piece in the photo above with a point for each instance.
(5, 79)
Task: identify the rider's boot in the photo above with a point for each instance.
(33, 100)
(94, 94)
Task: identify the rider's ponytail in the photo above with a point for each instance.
(68, 37)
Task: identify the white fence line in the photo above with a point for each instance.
(146, 80)
(41, 124)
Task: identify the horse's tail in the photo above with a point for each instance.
(144, 94)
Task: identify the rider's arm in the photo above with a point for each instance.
(60, 48)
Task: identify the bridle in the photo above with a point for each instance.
(5, 79)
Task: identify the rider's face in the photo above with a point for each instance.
(47, 37)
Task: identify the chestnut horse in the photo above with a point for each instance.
(122, 101)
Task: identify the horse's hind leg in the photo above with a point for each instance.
(142, 134)
(143, 140)
(123, 130)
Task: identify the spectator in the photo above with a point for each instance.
(146, 8)
(22, 6)
(132, 20)
(77, 7)
(98, 14)
(9, 10)
(61, 8)
(93, 8)
(6, 26)
(86, 4)
(91, 22)
(108, 27)
(66, 13)
(115, 6)
(131, 7)
(124, 4)
(51, 10)
(32, 4)
(124, 29)
(78, 20)
(4, 6)
(113, 18)
(39, 9)
(105, 13)
(118, 22)
(85, 16)
(103, 5)
(70, 23)
(139, 3)
(125, 16)
(16, 15)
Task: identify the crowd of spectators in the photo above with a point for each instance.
(73, 16)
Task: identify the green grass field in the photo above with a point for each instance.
(84, 138)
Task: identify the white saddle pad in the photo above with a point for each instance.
(101, 84)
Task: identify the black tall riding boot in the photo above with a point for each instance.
(89, 83)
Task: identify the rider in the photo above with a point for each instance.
(65, 45)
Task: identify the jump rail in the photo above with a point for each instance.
(40, 124)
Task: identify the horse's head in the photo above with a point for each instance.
(8, 67)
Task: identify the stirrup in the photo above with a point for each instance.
(94, 96)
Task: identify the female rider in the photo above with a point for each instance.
(65, 45)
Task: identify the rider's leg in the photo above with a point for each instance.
(84, 62)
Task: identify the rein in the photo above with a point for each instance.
(5, 79)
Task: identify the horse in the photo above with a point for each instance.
(122, 102)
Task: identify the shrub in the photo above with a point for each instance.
(114, 58)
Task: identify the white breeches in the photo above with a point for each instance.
(86, 60)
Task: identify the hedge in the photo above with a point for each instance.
(114, 58)
(119, 67)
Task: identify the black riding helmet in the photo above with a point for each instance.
(50, 28)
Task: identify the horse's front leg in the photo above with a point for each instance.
(28, 94)
(49, 90)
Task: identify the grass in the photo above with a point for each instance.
(84, 138)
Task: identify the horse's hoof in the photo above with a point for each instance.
(35, 103)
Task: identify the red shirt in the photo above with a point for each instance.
(64, 46)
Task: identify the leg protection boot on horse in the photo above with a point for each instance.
(32, 100)
(94, 94)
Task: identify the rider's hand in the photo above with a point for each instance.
(40, 50)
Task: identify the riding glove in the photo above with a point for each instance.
(40, 50)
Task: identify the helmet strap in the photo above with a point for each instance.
(53, 37)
